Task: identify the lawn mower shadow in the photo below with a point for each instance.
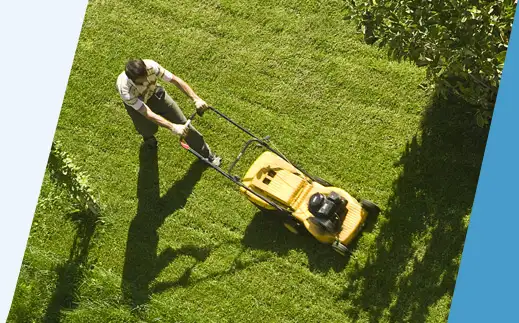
(266, 232)
(200, 254)
(142, 263)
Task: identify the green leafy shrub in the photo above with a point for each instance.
(462, 43)
(67, 174)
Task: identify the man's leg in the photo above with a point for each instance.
(146, 128)
(164, 105)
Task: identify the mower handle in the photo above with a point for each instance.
(228, 175)
(191, 117)
(261, 142)
(201, 113)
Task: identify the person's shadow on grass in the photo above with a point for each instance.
(142, 263)
(72, 272)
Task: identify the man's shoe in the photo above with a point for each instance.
(215, 160)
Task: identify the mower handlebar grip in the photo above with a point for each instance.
(200, 112)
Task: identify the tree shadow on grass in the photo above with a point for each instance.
(142, 263)
(72, 272)
(414, 263)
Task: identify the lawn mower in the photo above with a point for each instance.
(307, 204)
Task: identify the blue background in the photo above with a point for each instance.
(487, 287)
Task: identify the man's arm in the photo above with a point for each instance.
(169, 77)
(184, 87)
(137, 104)
(177, 129)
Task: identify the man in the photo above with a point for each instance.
(150, 106)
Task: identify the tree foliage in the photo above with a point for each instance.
(462, 43)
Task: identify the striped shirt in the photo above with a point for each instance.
(134, 95)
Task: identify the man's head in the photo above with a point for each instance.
(136, 71)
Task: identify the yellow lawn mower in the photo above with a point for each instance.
(306, 203)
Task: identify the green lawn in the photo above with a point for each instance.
(180, 244)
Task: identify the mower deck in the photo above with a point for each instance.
(273, 177)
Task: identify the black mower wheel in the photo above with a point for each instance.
(322, 181)
(293, 225)
(371, 207)
(340, 248)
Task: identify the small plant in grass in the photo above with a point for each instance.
(66, 173)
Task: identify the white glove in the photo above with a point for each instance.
(201, 105)
(181, 130)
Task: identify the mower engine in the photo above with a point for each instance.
(328, 210)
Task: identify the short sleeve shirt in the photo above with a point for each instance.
(135, 95)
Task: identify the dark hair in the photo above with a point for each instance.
(135, 68)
